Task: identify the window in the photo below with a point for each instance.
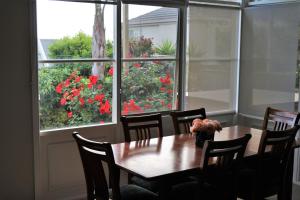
(268, 76)
(149, 60)
(212, 58)
(76, 63)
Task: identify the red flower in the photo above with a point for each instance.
(77, 79)
(137, 65)
(93, 79)
(162, 102)
(125, 109)
(99, 87)
(99, 97)
(102, 122)
(90, 100)
(111, 71)
(105, 108)
(69, 114)
(75, 92)
(63, 101)
(165, 80)
(147, 106)
(66, 94)
(90, 85)
(162, 89)
(58, 88)
(169, 106)
(81, 100)
(67, 83)
(170, 91)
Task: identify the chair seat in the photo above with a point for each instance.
(134, 192)
(149, 185)
(154, 185)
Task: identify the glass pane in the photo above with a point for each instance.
(270, 59)
(69, 95)
(149, 31)
(148, 87)
(69, 30)
(212, 58)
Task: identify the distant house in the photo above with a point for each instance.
(43, 45)
(160, 24)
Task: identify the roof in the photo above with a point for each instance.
(161, 15)
(45, 44)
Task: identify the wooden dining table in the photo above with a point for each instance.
(169, 156)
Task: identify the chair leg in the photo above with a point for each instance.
(129, 178)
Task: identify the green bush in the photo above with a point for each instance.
(166, 48)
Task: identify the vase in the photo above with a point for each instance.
(202, 136)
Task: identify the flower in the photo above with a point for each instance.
(58, 88)
(137, 65)
(69, 114)
(93, 79)
(63, 101)
(81, 100)
(99, 97)
(111, 71)
(205, 125)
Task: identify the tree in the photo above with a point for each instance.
(78, 46)
(98, 41)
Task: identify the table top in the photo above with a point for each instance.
(159, 157)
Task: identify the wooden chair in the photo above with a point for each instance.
(279, 120)
(268, 174)
(182, 120)
(93, 154)
(141, 126)
(220, 165)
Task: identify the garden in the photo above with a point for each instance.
(70, 95)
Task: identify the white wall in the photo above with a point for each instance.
(16, 143)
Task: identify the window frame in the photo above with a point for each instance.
(118, 60)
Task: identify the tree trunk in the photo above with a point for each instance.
(98, 42)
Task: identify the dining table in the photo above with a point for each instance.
(176, 155)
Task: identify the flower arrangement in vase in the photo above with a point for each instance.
(204, 130)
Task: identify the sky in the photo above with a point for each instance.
(56, 19)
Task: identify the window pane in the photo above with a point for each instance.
(148, 87)
(70, 96)
(270, 60)
(212, 58)
(149, 31)
(65, 30)
(73, 92)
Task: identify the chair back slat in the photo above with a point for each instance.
(182, 120)
(142, 126)
(277, 144)
(93, 154)
(226, 152)
(280, 120)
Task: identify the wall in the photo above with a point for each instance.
(16, 143)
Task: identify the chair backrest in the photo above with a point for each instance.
(93, 154)
(220, 164)
(275, 146)
(279, 120)
(141, 126)
(182, 120)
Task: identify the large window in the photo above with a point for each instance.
(148, 80)
(87, 51)
(76, 63)
(212, 58)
